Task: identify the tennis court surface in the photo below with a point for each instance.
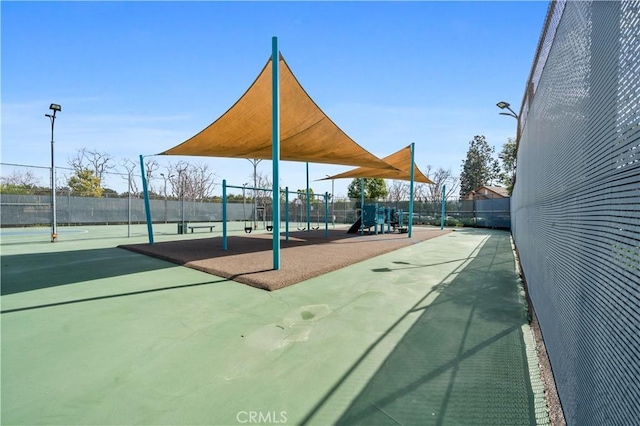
(431, 333)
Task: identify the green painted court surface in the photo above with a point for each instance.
(428, 334)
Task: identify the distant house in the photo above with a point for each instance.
(487, 192)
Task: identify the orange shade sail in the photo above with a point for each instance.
(306, 133)
(401, 160)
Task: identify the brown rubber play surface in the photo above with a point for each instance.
(249, 258)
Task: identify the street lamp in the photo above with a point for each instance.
(165, 195)
(333, 211)
(54, 234)
(506, 105)
(181, 183)
(511, 113)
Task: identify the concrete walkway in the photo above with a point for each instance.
(428, 334)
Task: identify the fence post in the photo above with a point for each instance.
(129, 207)
(146, 201)
(444, 206)
(412, 177)
(224, 214)
(361, 206)
(286, 212)
(326, 214)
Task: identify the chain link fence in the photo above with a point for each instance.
(32, 205)
(35, 210)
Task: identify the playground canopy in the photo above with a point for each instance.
(306, 133)
(401, 160)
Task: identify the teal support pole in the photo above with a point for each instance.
(147, 206)
(361, 206)
(413, 153)
(308, 202)
(388, 211)
(375, 218)
(326, 214)
(275, 141)
(286, 213)
(224, 214)
(444, 206)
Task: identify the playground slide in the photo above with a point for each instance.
(355, 228)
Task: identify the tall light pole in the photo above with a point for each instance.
(54, 233)
(165, 178)
(333, 211)
(181, 182)
(511, 113)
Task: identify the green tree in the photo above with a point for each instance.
(302, 195)
(479, 168)
(8, 188)
(85, 184)
(20, 182)
(374, 189)
(108, 192)
(508, 158)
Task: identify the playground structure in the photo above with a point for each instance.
(376, 217)
(396, 220)
(370, 216)
(307, 215)
(270, 228)
(245, 131)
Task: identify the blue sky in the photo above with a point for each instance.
(140, 77)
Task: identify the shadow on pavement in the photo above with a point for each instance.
(462, 362)
(110, 296)
(26, 272)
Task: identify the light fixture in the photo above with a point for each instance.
(506, 105)
(54, 226)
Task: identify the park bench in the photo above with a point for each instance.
(192, 227)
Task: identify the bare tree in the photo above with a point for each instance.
(398, 190)
(264, 183)
(24, 179)
(203, 181)
(193, 182)
(176, 174)
(78, 162)
(150, 166)
(420, 192)
(98, 162)
(181, 181)
(131, 166)
(440, 178)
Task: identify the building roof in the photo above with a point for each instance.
(499, 190)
